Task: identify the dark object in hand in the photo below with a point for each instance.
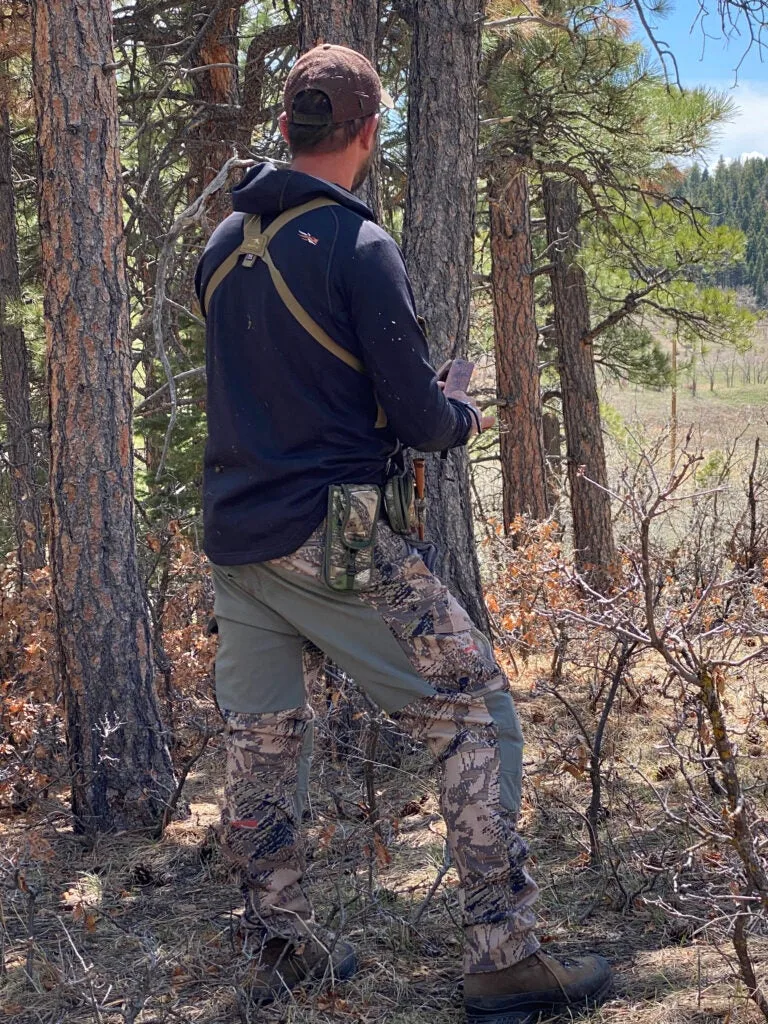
(457, 374)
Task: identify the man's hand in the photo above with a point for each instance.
(486, 422)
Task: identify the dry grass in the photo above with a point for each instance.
(729, 401)
(127, 929)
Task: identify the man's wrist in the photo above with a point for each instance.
(475, 419)
(475, 414)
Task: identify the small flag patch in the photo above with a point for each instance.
(308, 238)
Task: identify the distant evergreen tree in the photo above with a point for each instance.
(736, 194)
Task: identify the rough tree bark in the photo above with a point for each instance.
(438, 238)
(14, 375)
(347, 22)
(515, 339)
(550, 424)
(585, 453)
(352, 23)
(121, 769)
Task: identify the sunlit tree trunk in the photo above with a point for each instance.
(121, 769)
(516, 336)
(438, 238)
(585, 452)
(14, 376)
(215, 129)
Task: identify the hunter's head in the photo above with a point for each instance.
(332, 100)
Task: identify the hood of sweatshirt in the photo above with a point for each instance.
(268, 190)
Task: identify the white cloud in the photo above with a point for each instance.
(747, 134)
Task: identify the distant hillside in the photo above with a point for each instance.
(737, 194)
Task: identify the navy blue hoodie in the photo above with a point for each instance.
(286, 418)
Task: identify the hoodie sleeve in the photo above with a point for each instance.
(394, 349)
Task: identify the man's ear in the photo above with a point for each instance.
(283, 122)
(368, 134)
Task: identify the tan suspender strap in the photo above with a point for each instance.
(310, 326)
(251, 245)
(217, 277)
(295, 211)
(255, 246)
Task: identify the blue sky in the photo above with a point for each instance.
(704, 57)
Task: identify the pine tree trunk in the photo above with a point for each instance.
(438, 239)
(216, 129)
(585, 453)
(14, 376)
(121, 769)
(517, 358)
(352, 23)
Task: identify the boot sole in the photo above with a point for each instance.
(527, 1009)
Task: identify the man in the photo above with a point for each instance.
(318, 376)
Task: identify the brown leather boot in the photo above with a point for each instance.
(280, 965)
(538, 984)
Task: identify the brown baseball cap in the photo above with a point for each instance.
(346, 77)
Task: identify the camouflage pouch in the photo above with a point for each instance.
(399, 503)
(353, 515)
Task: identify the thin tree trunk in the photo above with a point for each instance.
(216, 129)
(585, 453)
(517, 358)
(438, 239)
(121, 769)
(551, 430)
(14, 376)
(352, 23)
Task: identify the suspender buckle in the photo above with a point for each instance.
(253, 249)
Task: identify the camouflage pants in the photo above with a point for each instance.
(411, 646)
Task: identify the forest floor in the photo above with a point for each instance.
(135, 930)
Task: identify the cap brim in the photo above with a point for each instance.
(386, 99)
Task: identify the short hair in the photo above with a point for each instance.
(323, 138)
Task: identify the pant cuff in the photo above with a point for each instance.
(493, 947)
(278, 926)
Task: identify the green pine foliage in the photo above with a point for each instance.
(584, 100)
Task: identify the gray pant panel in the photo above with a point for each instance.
(264, 614)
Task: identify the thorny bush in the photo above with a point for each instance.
(31, 732)
(681, 635)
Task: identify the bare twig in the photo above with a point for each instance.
(445, 867)
(176, 795)
(192, 215)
